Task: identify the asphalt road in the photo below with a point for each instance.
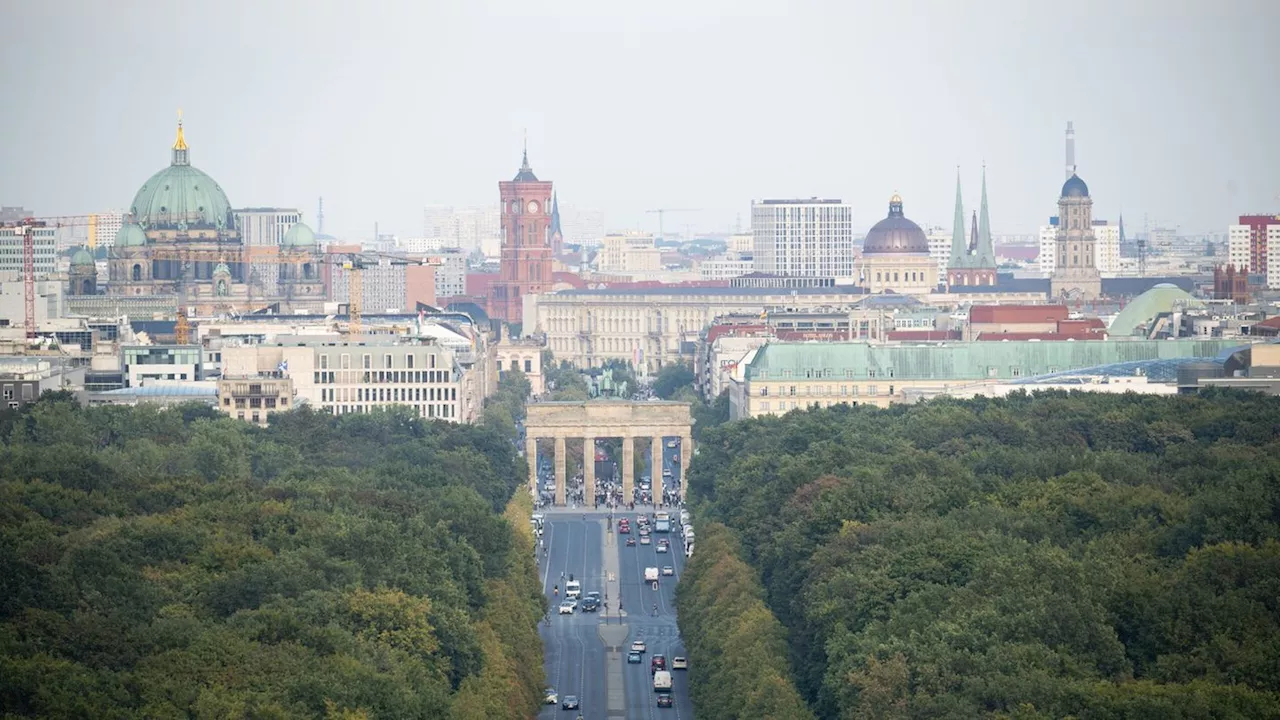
(658, 631)
(572, 651)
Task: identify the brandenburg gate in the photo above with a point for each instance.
(608, 419)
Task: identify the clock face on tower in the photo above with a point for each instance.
(533, 207)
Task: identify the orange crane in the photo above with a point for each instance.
(27, 229)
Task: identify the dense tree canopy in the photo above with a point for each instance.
(671, 378)
(1047, 556)
(176, 563)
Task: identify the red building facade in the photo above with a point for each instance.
(525, 266)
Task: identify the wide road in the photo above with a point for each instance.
(659, 632)
(576, 660)
(573, 653)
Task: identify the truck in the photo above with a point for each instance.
(662, 681)
(573, 590)
(651, 574)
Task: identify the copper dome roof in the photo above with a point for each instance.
(895, 234)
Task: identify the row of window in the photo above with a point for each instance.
(417, 377)
(815, 373)
(515, 365)
(845, 390)
(366, 361)
(446, 412)
(392, 395)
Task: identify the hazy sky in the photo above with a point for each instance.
(385, 107)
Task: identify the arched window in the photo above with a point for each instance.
(137, 272)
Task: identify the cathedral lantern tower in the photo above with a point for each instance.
(525, 266)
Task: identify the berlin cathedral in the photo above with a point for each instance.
(180, 239)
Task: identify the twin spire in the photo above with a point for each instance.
(978, 251)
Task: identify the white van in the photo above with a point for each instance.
(688, 550)
(688, 533)
(651, 574)
(662, 681)
(573, 590)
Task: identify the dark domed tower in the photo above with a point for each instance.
(1076, 276)
(84, 274)
(895, 256)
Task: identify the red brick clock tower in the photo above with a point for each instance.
(525, 268)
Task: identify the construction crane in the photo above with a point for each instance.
(662, 212)
(355, 263)
(27, 229)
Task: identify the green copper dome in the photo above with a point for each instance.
(299, 236)
(130, 235)
(82, 258)
(181, 197)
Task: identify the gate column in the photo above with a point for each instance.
(589, 470)
(655, 481)
(561, 480)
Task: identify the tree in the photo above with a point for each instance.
(671, 378)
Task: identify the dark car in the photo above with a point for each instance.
(590, 604)
(657, 662)
(634, 658)
(631, 542)
(665, 701)
(570, 702)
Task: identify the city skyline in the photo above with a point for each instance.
(995, 84)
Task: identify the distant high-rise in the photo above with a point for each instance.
(1071, 149)
(806, 238)
(525, 265)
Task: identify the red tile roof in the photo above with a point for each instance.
(1011, 336)
(1013, 314)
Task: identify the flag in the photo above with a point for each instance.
(283, 367)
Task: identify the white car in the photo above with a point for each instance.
(668, 570)
(552, 697)
(567, 607)
(638, 646)
(679, 663)
(644, 540)
(662, 547)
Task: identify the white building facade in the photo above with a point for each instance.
(628, 254)
(103, 228)
(451, 273)
(1273, 258)
(940, 248)
(265, 227)
(731, 266)
(384, 286)
(1048, 249)
(45, 242)
(470, 228)
(1238, 238)
(807, 238)
(1107, 248)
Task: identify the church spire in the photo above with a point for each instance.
(555, 215)
(180, 145)
(526, 173)
(959, 248)
(986, 252)
(973, 235)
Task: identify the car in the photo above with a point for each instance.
(633, 658)
(644, 540)
(668, 570)
(665, 701)
(663, 547)
(657, 662)
(552, 698)
(644, 530)
(567, 607)
(624, 529)
(631, 542)
(570, 702)
(638, 647)
(672, 443)
(679, 662)
(590, 604)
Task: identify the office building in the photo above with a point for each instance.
(1107, 248)
(811, 238)
(45, 241)
(629, 254)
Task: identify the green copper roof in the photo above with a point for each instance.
(1140, 311)
(959, 248)
(130, 235)
(299, 236)
(1004, 360)
(82, 258)
(181, 197)
(986, 252)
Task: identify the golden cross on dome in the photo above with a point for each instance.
(180, 143)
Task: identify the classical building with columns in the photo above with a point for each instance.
(595, 420)
(653, 326)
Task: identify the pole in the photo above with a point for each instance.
(29, 279)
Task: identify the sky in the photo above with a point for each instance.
(385, 107)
